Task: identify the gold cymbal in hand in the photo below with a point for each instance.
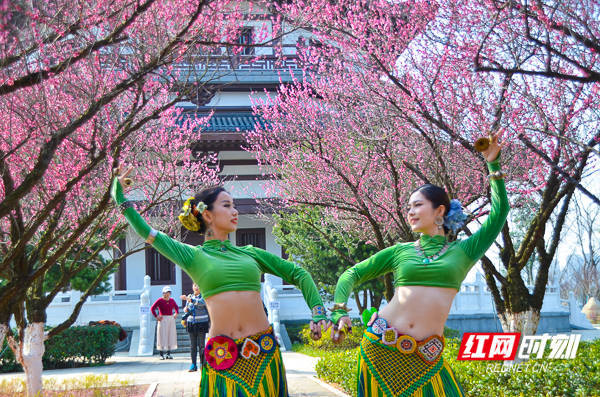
(123, 176)
(483, 143)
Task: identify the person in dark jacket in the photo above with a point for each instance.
(197, 323)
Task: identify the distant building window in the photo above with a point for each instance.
(160, 269)
(255, 237)
(121, 273)
(245, 38)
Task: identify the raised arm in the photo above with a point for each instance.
(176, 251)
(273, 264)
(372, 267)
(478, 243)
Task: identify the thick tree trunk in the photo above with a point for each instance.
(33, 350)
(525, 322)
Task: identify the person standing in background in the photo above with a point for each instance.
(196, 323)
(166, 334)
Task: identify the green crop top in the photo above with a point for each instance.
(219, 266)
(449, 270)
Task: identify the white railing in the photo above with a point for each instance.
(240, 62)
(475, 297)
(120, 306)
(283, 302)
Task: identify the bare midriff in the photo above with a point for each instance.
(236, 314)
(419, 311)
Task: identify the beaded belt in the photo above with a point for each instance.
(221, 352)
(429, 349)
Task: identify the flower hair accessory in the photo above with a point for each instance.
(455, 219)
(189, 213)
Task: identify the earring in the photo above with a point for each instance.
(439, 221)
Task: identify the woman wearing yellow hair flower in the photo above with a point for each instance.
(241, 355)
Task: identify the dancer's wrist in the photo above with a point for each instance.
(336, 315)
(116, 192)
(319, 313)
(494, 165)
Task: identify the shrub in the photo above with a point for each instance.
(351, 340)
(294, 330)
(74, 346)
(340, 368)
(577, 377)
(89, 385)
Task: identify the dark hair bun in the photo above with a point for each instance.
(208, 196)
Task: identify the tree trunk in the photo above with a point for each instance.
(33, 350)
(3, 333)
(525, 322)
(359, 304)
(388, 282)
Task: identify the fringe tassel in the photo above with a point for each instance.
(443, 384)
(272, 384)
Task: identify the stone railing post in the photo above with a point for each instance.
(146, 345)
(274, 310)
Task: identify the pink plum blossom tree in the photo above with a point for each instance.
(391, 100)
(85, 86)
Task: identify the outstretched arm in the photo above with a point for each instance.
(273, 264)
(176, 251)
(478, 243)
(372, 267)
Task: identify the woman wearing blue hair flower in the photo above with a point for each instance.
(401, 348)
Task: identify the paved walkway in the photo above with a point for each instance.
(170, 377)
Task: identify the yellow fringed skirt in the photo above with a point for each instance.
(262, 375)
(384, 371)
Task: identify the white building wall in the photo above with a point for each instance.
(234, 99)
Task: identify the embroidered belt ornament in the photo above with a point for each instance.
(406, 344)
(221, 352)
(389, 336)
(379, 326)
(430, 349)
(250, 348)
(267, 343)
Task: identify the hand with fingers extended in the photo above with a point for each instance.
(338, 333)
(317, 329)
(493, 150)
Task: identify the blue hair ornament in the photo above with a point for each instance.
(455, 219)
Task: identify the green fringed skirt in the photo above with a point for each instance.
(259, 376)
(383, 371)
